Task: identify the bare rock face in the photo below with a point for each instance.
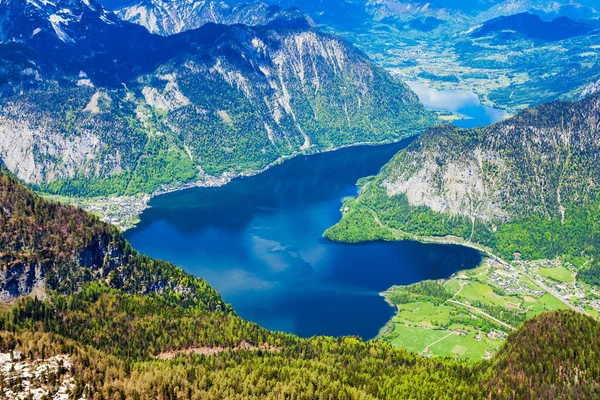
(25, 378)
(172, 17)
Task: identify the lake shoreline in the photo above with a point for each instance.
(131, 207)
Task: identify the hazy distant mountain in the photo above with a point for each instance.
(532, 26)
(548, 9)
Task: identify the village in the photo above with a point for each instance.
(488, 303)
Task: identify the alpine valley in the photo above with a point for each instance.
(479, 246)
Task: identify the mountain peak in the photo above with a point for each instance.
(68, 20)
(172, 17)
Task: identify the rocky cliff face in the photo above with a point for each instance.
(114, 116)
(172, 17)
(535, 163)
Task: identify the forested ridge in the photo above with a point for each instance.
(528, 185)
(115, 331)
(63, 248)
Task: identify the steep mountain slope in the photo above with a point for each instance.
(529, 185)
(160, 338)
(94, 105)
(552, 356)
(48, 246)
(171, 17)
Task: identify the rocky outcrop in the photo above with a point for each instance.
(46, 245)
(172, 17)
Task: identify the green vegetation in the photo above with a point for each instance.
(471, 313)
(174, 124)
(71, 248)
(134, 327)
(509, 71)
(513, 212)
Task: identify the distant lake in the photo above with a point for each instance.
(461, 102)
(258, 241)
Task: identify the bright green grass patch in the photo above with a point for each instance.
(452, 286)
(414, 338)
(476, 291)
(545, 303)
(424, 314)
(559, 274)
(465, 346)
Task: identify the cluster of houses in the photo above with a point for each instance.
(119, 211)
(509, 282)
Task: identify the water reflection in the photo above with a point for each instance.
(461, 102)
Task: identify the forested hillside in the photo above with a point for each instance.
(527, 185)
(162, 339)
(60, 248)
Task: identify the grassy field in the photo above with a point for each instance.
(465, 321)
(558, 274)
(443, 342)
(424, 314)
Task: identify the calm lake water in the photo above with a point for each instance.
(258, 241)
(461, 102)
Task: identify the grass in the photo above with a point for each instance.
(415, 338)
(424, 325)
(477, 291)
(423, 314)
(452, 286)
(558, 274)
(443, 343)
(466, 346)
(545, 303)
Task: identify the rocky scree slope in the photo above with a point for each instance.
(93, 105)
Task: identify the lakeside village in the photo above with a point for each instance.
(480, 307)
(124, 211)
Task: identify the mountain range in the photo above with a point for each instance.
(93, 105)
(168, 18)
(532, 26)
(442, 43)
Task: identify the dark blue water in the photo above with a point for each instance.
(259, 242)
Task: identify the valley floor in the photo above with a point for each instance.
(486, 303)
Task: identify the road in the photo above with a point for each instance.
(482, 313)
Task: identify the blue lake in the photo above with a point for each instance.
(462, 102)
(258, 241)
